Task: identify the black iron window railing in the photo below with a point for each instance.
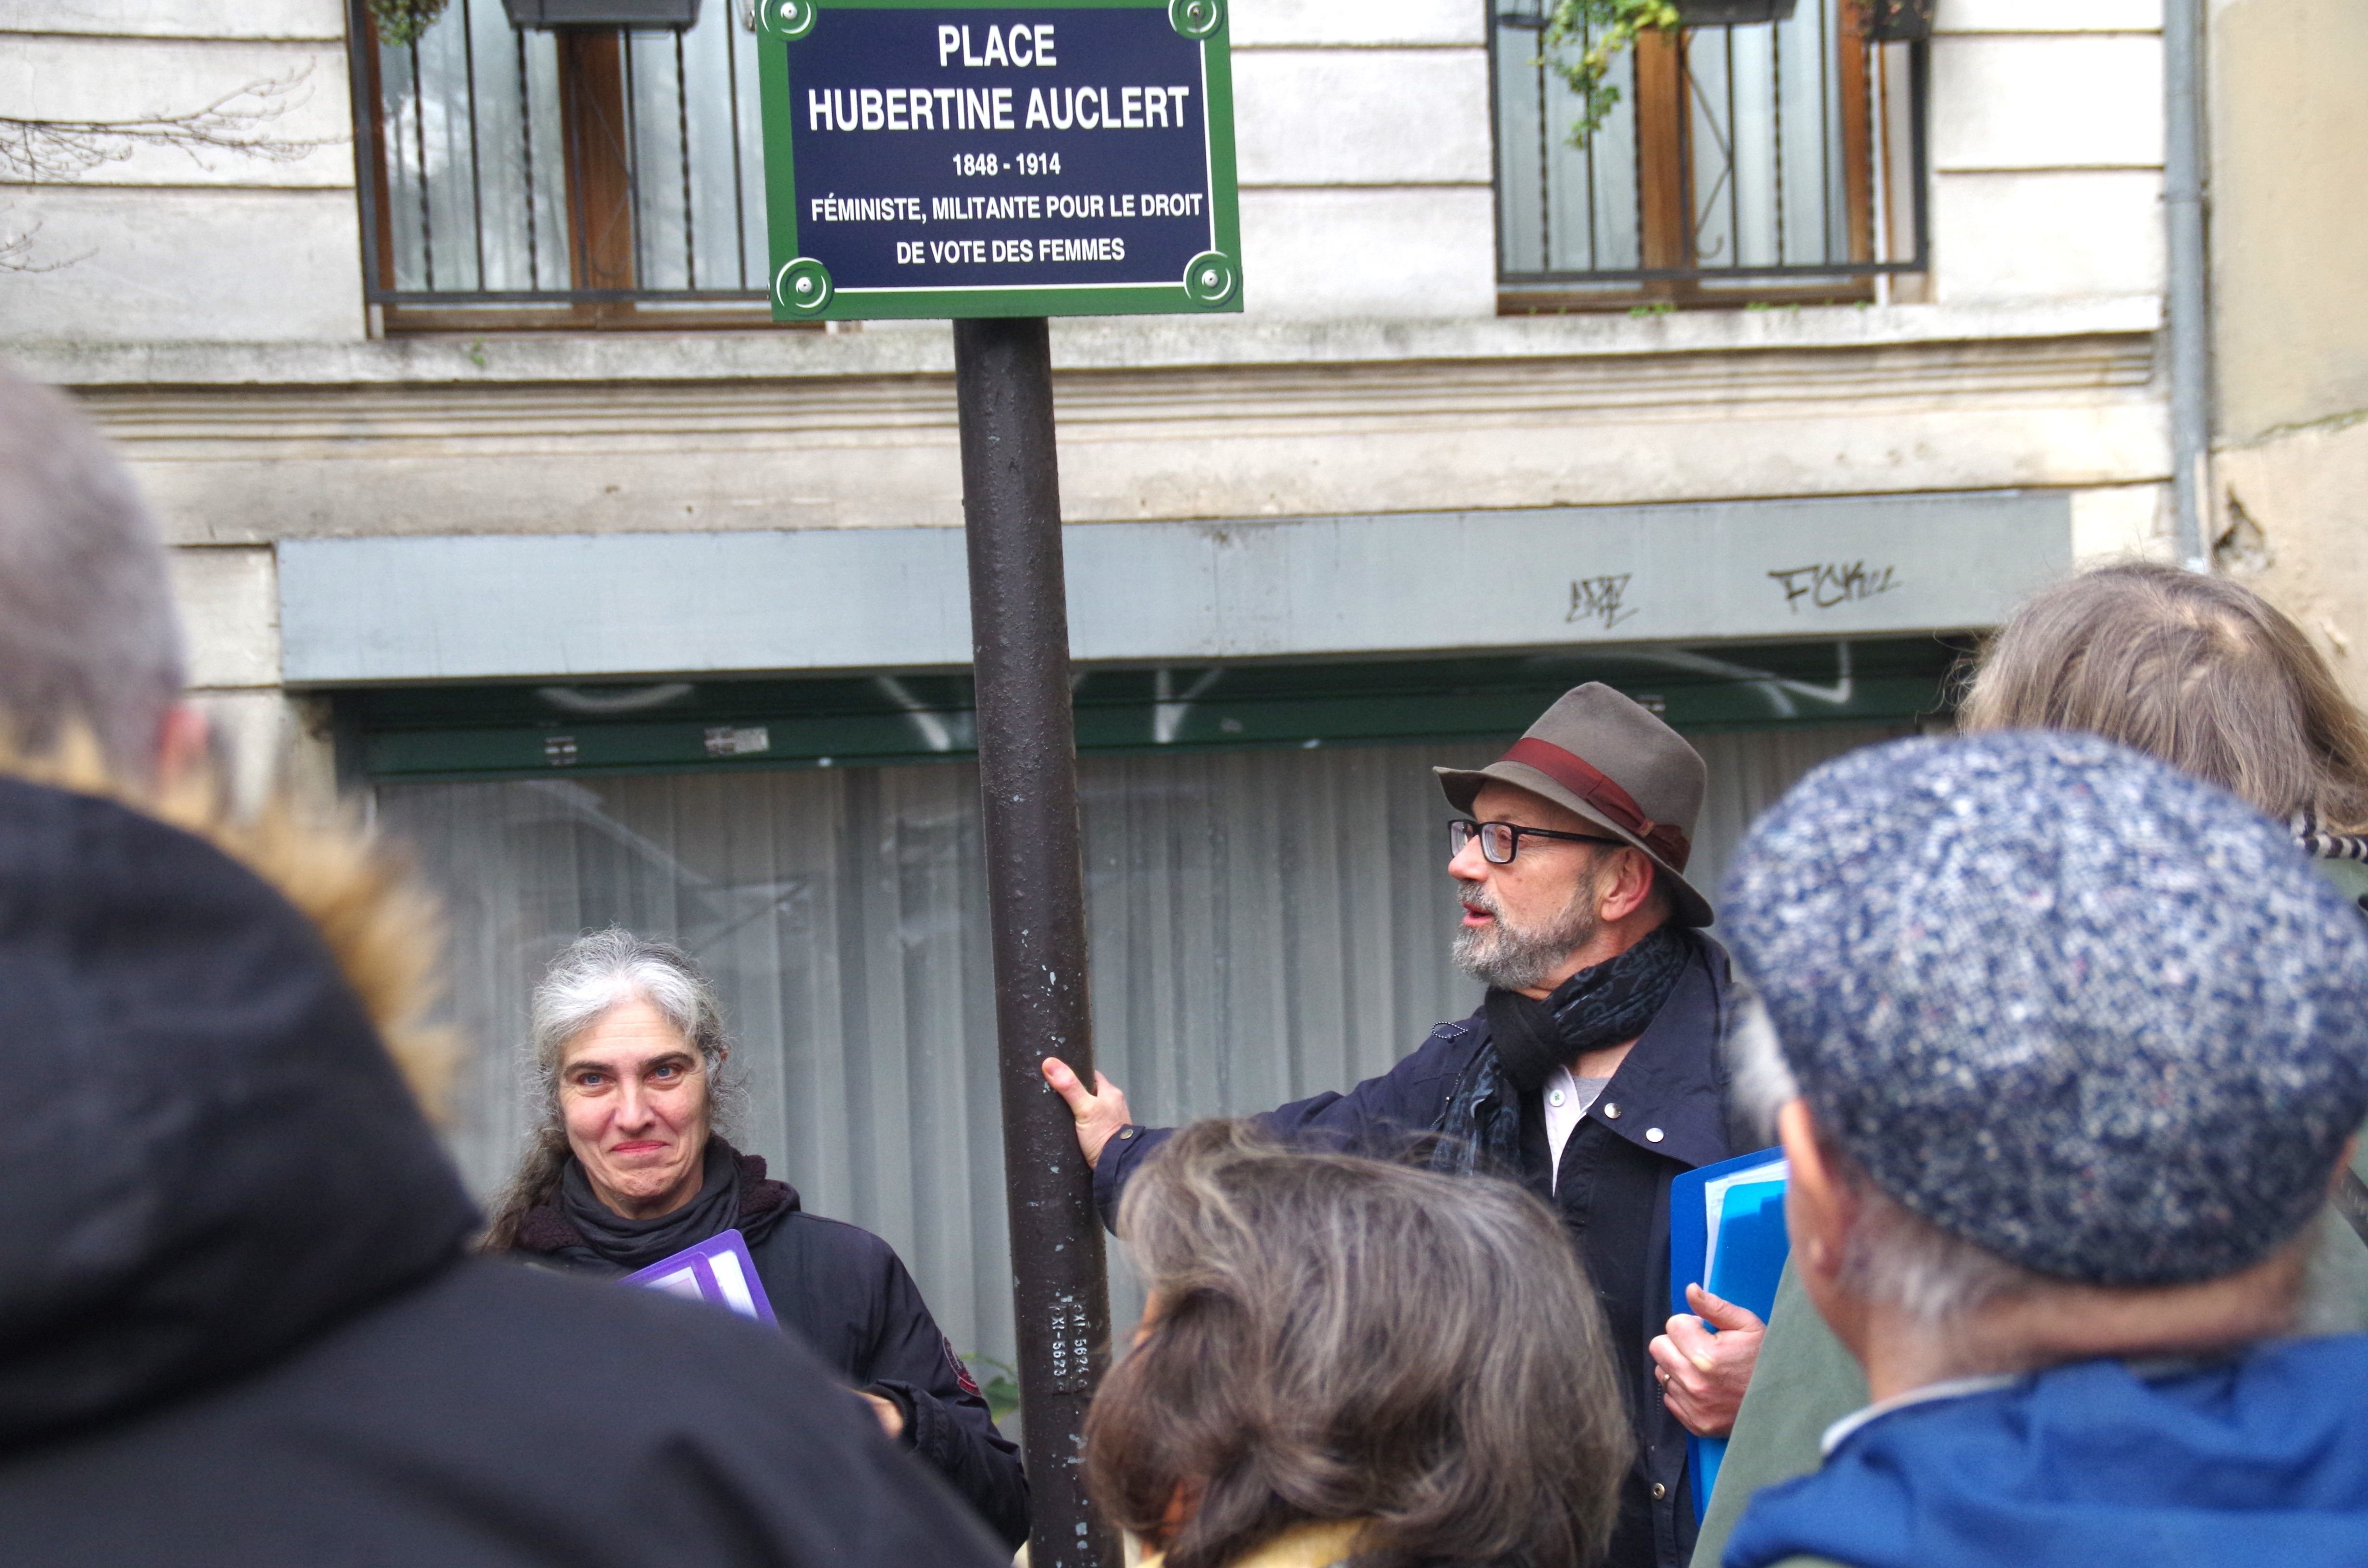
(1769, 159)
(610, 175)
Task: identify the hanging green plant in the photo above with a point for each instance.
(1583, 38)
(401, 22)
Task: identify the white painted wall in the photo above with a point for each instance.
(1371, 118)
(1334, 252)
(212, 309)
(2122, 522)
(177, 18)
(163, 265)
(1962, 16)
(229, 602)
(174, 244)
(2047, 234)
(1365, 159)
(300, 104)
(2046, 147)
(1261, 24)
(1183, 418)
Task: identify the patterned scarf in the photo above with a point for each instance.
(1480, 1130)
(1599, 1006)
(2323, 844)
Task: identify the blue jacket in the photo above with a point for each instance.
(1664, 1111)
(2260, 1459)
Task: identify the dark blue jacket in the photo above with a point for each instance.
(1664, 1111)
(2259, 1459)
(237, 1326)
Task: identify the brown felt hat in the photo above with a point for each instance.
(1614, 764)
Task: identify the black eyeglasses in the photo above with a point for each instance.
(1500, 841)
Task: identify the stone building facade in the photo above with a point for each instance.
(2289, 137)
(646, 610)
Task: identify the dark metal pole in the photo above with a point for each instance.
(1036, 895)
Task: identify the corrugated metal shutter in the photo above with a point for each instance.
(1265, 925)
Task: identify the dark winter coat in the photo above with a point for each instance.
(237, 1326)
(847, 1295)
(1664, 1111)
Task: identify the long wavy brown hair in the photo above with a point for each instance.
(2197, 670)
(1339, 1340)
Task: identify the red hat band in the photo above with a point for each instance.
(1590, 784)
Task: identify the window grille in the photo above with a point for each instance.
(608, 172)
(1739, 162)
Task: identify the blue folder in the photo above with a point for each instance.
(1743, 1264)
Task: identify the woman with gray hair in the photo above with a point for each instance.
(629, 1166)
(1348, 1361)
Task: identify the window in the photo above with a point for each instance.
(1772, 161)
(580, 177)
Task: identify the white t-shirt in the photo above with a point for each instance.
(1568, 1099)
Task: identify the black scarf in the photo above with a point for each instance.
(637, 1244)
(1614, 1001)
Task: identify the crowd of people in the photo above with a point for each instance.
(2061, 1024)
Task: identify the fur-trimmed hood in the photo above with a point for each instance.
(210, 1154)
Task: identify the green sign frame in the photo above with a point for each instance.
(1213, 284)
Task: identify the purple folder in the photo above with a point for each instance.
(718, 1269)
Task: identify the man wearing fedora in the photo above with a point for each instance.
(1592, 1072)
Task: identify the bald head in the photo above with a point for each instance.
(88, 629)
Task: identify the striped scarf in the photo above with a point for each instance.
(2325, 844)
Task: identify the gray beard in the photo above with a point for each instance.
(1506, 957)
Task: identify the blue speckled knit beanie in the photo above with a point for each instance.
(2060, 1000)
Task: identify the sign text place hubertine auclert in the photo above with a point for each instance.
(958, 158)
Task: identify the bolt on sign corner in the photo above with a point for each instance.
(942, 158)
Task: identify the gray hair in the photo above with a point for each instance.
(602, 972)
(88, 632)
(2196, 670)
(595, 976)
(1893, 1256)
(1341, 1339)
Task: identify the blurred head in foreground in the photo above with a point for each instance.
(2070, 1047)
(1411, 1362)
(2194, 669)
(88, 633)
(235, 1310)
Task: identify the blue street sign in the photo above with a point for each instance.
(971, 159)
